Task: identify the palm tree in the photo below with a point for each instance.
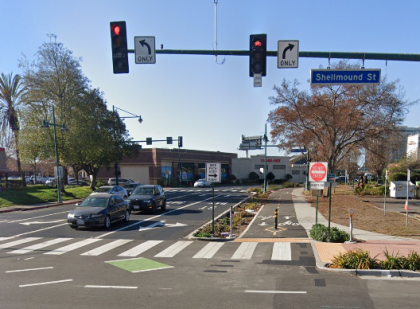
(11, 94)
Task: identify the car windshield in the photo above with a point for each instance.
(95, 202)
(103, 189)
(143, 191)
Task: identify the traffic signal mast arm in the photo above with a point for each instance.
(303, 54)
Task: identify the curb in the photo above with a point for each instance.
(25, 208)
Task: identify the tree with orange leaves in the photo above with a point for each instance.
(334, 122)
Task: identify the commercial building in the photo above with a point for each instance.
(164, 166)
(280, 166)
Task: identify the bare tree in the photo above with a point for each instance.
(332, 122)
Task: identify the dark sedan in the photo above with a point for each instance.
(147, 197)
(99, 210)
(130, 187)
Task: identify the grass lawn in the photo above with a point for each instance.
(367, 216)
(40, 194)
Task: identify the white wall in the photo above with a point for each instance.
(137, 173)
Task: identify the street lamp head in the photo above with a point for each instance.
(140, 119)
(44, 125)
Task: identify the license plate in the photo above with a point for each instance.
(136, 207)
(80, 222)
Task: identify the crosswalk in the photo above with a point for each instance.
(206, 190)
(279, 251)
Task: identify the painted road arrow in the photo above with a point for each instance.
(42, 222)
(161, 224)
(290, 47)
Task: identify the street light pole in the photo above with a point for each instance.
(265, 159)
(46, 124)
(115, 133)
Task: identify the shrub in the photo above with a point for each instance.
(320, 233)
(413, 261)
(355, 259)
(253, 176)
(288, 184)
(232, 177)
(393, 261)
(288, 176)
(270, 176)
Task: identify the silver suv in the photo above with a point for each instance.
(121, 181)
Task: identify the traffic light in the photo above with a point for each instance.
(148, 141)
(119, 47)
(257, 54)
(169, 140)
(179, 141)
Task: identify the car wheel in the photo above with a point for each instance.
(153, 210)
(163, 207)
(127, 216)
(107, 222)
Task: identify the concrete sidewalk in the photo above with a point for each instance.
(375, 243)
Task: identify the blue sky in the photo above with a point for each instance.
(211, 105)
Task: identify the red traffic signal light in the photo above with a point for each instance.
(119, 47)
(116, 29)
(257, 54)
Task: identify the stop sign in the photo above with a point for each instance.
(318, 171)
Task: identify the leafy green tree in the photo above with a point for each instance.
(270, 176)
(11, 107)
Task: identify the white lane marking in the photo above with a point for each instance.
(208, 251)
(57, 213)
(110, 287)
(29, 258)
(40, 230)
(28, 269)
(142, 271)
(40, 246)
(177, 247)
(154, 217)
(107, 247)
(141, 248)
(76, 245)
(42, 222)
(275, 292)
(5, 238)
(245, 251)
(281, 251)
(18, 242)
(44, 283)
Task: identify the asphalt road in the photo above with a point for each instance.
(137, 265)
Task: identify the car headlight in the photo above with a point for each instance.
(96, 216)
(70, 216)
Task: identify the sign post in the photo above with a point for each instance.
(317, 178)
(213, 174)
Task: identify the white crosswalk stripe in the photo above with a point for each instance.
(174, 249)
(208, 251)
(281, 252)
(40, 246)
(71, 247)
(245, 251)
(107, 247)
(137, 250)
(18, 242)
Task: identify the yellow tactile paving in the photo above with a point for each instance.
(327, 251)
(294, 240)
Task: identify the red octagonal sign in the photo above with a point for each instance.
(318, 171)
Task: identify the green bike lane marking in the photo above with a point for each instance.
(137, 265)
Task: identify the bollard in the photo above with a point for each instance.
(351, 226)
(275, 218)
